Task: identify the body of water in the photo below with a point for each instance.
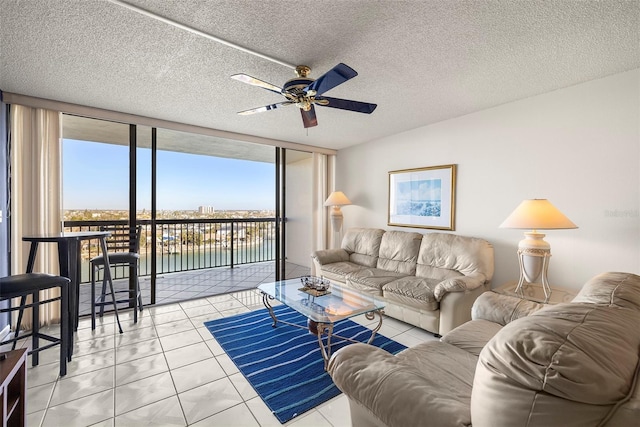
(192, 258)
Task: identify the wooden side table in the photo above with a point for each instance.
(534, 292)
(13, 391)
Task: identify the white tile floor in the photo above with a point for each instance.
(177, 287)
(167, 370)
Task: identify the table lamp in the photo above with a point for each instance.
(336, 199)
(533, 251)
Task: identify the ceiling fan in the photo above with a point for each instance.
(304, 92)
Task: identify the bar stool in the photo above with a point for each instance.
(23, 285)
(123, 246)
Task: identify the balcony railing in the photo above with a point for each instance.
(189, 244)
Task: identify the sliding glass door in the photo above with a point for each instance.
(214, 207)
(96, 184)
(203, 202)
(294, 213)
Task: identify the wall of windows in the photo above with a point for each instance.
(203, 201)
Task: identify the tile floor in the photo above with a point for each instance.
(176, 287)
(167, 370)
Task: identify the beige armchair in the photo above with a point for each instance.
(517, 363)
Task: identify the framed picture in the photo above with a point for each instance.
(423, 198)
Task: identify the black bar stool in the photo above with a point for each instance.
(123, 246)
(23, 285)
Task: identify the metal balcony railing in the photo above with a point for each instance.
(188, 244)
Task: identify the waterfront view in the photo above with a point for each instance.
(114, 214)
(196, 254)
(184, 240)
(214, 228)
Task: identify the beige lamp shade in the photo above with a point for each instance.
(337, 198)
(537, 214)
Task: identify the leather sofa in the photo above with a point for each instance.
(428, 280)
(517, 363)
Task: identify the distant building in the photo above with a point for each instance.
(206, 209)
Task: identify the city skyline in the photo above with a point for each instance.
(184, 181)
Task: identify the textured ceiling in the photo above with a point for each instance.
(420, 61)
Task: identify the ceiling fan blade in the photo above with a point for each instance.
(265, 108)
(332, 78)
(256, 82)
(346, 104)
(309, 117)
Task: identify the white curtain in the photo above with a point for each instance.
(322, 181)
(36, 202)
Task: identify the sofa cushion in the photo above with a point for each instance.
(339, 270)
(411, 291)
(566, 364)
(399, 252)
(445, 256)
(373, 278)
(363, 245)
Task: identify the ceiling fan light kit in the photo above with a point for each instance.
(306, 92)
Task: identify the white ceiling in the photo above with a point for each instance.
(420, 61)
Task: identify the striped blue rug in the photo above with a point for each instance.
(284, 364)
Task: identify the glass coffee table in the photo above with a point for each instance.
(323, 310)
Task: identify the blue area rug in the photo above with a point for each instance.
(284, 364)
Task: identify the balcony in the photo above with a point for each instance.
(194, 258)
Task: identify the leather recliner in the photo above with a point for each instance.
(517, 363)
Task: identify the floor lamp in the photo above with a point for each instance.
(533, 251)
(335, 200)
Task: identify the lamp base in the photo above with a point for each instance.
(533, 256)
(336, 219)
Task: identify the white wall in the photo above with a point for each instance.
(579, 147)
(299, 211)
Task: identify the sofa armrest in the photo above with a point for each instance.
(393, 391)
(455, 308)
(473, 335)
(457, 284)
(329, 256)
(502, 309)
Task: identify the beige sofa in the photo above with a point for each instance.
(517, 363)
(429, 281)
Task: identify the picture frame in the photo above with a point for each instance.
(423, 197)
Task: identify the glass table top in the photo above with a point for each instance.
(340, 303)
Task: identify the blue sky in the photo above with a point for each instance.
(96, 176)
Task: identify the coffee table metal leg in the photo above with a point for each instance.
(265, 301)
(325, 349)
(328, 327)
(370, 316)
